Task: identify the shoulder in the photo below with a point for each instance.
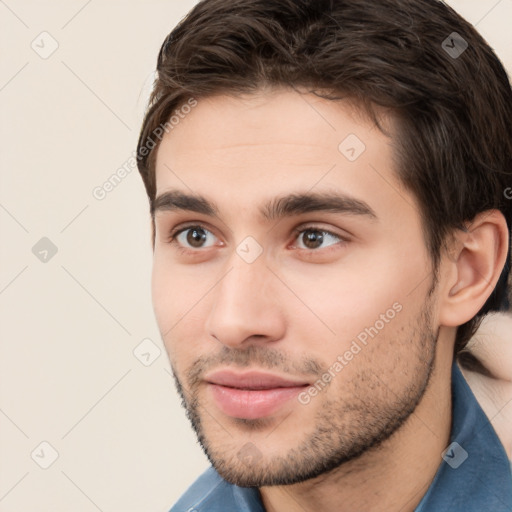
(487, 367)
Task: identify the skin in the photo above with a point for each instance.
(372, 439)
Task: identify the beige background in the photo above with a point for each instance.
(70, 325)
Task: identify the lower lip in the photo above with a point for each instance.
(251, 404)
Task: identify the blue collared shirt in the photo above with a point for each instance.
(474, 474)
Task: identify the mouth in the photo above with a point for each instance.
(251, 395)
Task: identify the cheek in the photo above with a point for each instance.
(173, 290)
(169, 300)
(373, 314)
(179, 311)
(338, 302)
(382, 359)
(160, 296)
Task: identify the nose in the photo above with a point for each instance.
(245, 305)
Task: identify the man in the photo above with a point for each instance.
(328, 184)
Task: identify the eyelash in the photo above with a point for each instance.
(171, 239)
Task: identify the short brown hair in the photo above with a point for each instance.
(449, 93)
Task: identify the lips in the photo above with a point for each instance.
(251, 380)
(253, 394)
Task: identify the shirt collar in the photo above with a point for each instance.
(475, 473)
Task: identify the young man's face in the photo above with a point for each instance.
(303, 337)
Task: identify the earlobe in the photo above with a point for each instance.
(474, 267)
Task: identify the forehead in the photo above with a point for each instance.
(277, 116)
(277, 142)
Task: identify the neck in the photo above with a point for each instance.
(392, 476)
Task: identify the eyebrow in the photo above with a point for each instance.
(176, 200)
(276, 208)
(295, 204)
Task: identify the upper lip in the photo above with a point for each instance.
(251, 380)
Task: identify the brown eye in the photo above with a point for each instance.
(315, 238)
(192, 237)
(196, 236)
(312, 239)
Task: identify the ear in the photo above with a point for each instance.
(473, 267)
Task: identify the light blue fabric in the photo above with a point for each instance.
(482, 482)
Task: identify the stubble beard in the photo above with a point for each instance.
(345, 427)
